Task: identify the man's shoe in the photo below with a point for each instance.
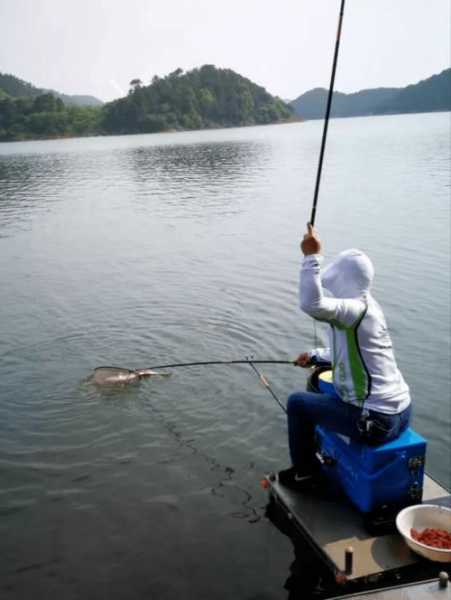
(293, 479)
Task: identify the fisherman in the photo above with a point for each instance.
(371, 402)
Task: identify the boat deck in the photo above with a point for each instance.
(331, 526)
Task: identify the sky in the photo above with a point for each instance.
(97, 46)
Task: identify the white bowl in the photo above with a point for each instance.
(419, 517)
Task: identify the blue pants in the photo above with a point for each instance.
(307, 409)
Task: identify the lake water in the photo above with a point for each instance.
(142, 250)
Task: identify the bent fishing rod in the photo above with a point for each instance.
(326, 120)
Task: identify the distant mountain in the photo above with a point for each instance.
(432, 94)
(17, 88)
(312, 104)
(77, 99)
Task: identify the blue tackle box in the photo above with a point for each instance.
(374, 477)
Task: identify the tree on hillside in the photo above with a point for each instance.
(47, 103)
(176, 73)
(45, 116)
(135, 84)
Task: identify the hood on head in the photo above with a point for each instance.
(350, 275)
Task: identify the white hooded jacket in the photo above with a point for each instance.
(361, 351)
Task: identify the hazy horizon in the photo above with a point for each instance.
(96, 48)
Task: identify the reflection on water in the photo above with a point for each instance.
(307, 576)
(190, 181)
(141, 250)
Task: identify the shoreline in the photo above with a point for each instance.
(94, 135)
(286, 122)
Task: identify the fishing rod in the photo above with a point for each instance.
(328, 107)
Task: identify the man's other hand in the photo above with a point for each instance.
(303, 360)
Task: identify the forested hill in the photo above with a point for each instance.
(17, 88)
(432, 94)
(201, 98)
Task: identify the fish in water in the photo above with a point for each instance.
(120, 376)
